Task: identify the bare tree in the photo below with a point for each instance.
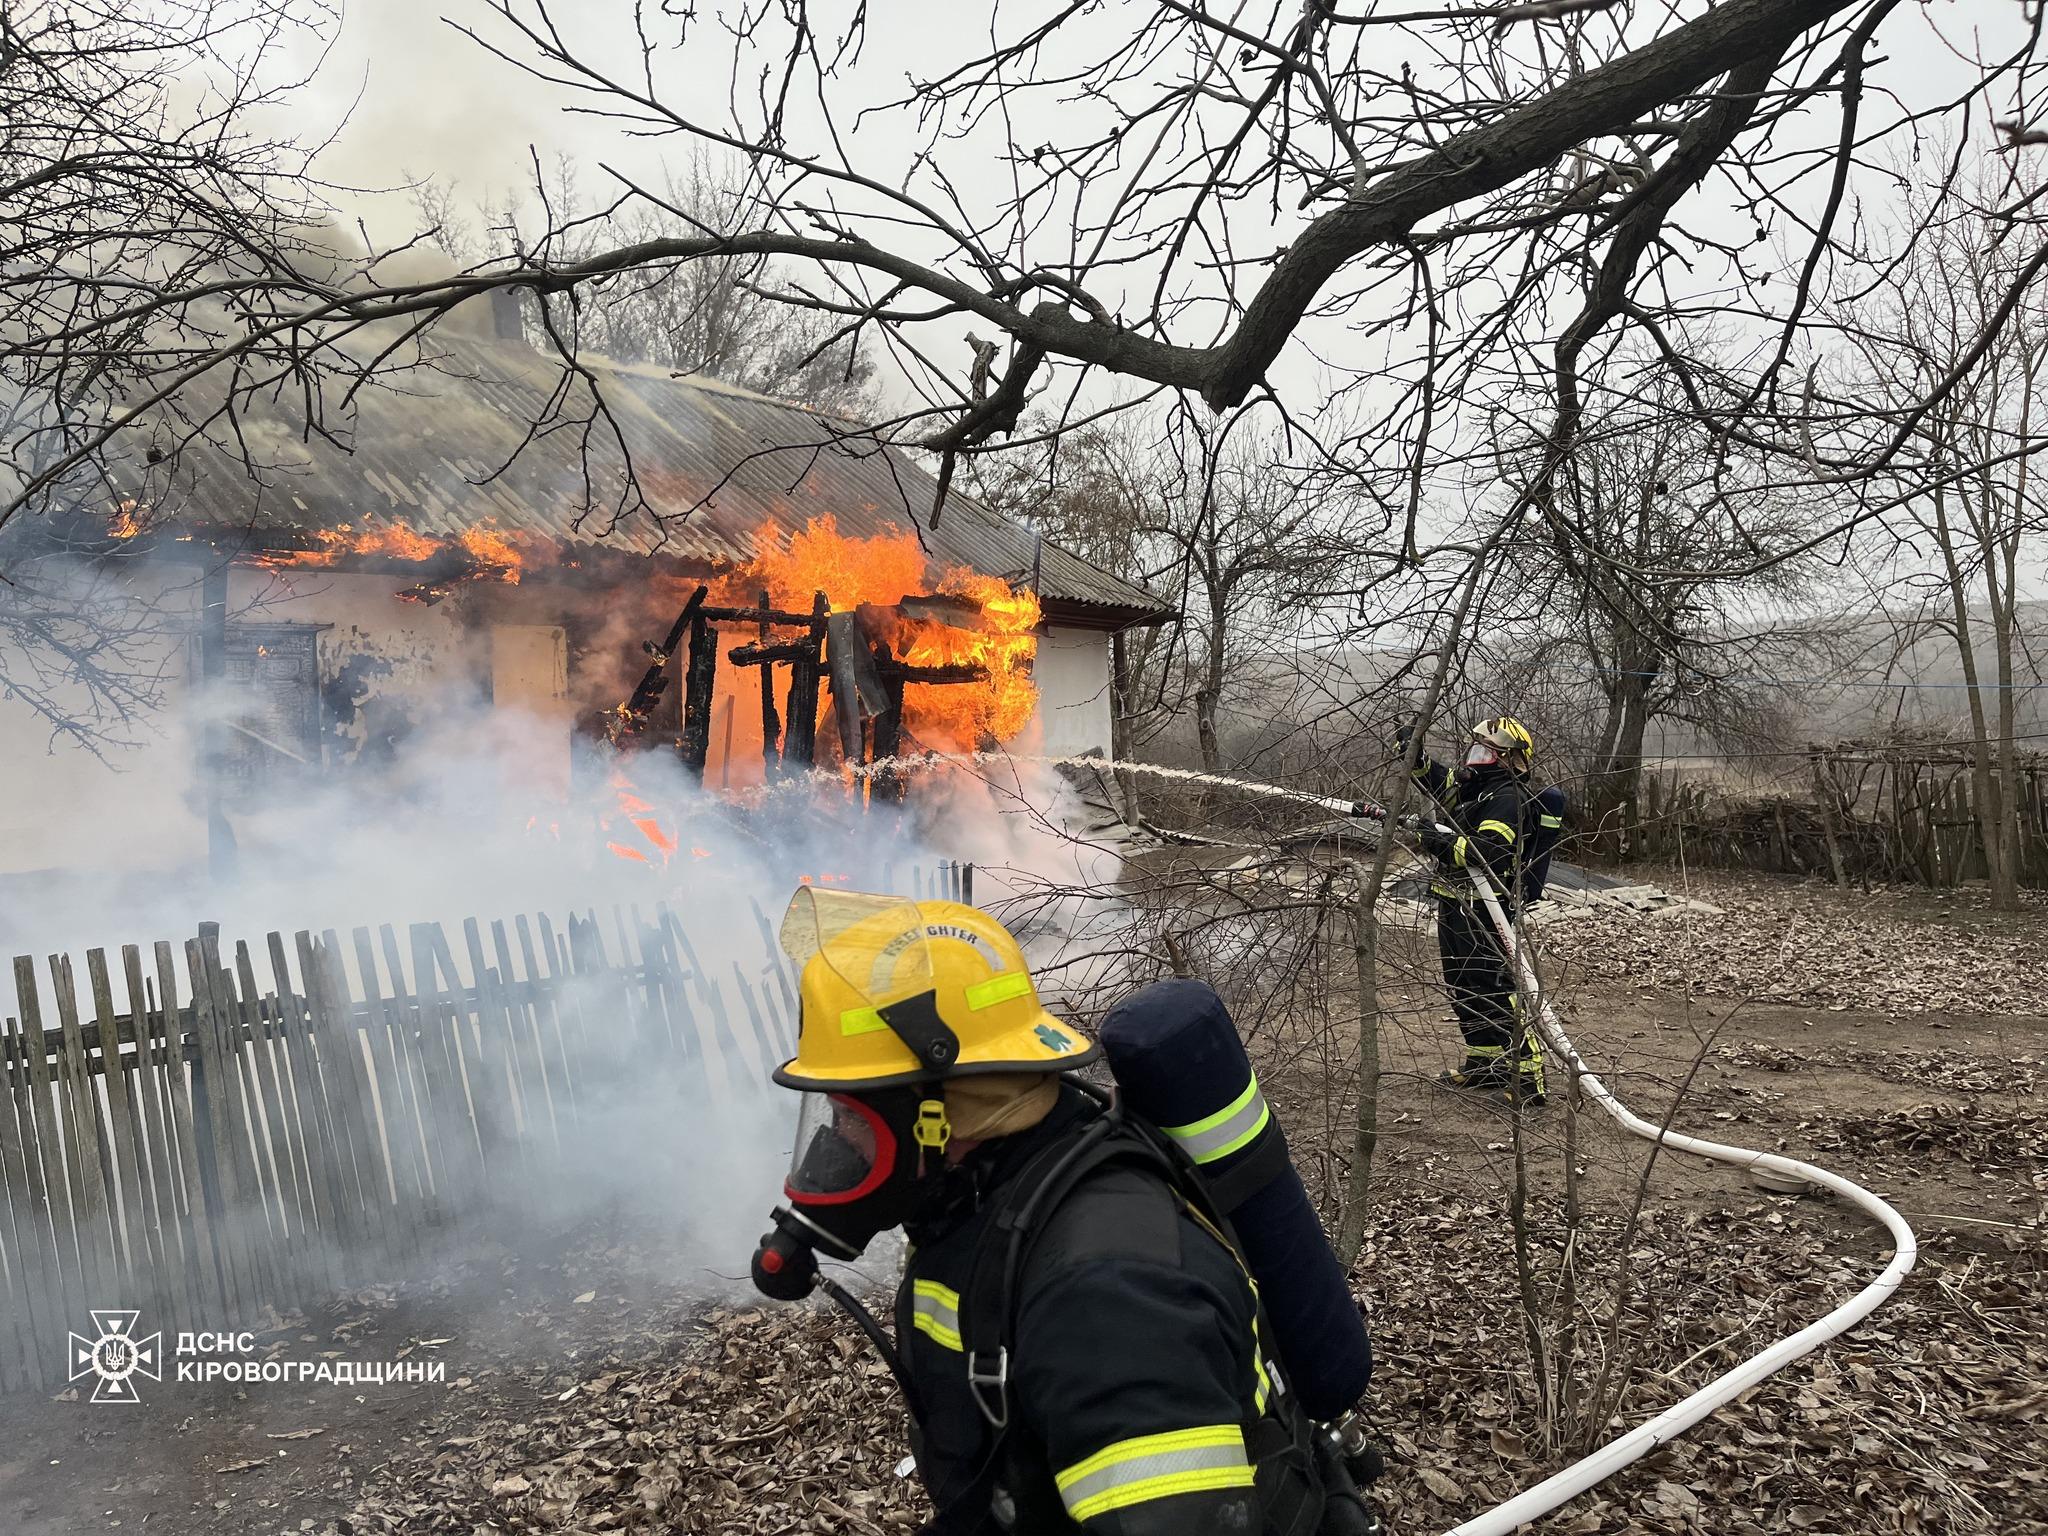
(1225, 525)
(1659, 634)
(1971, 494)
(141, 219)
(711, 316)
(1467, 189)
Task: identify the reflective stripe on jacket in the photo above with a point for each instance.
(1488, 812)
(1136, 1383)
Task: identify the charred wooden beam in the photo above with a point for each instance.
(699, 685)
(842, 643)
(446, 572)
(845, 635)
(955, 612)
(771, 727)
(654, 680)
(763, 615)
(887, 783)
(800, 738)
(758, 655)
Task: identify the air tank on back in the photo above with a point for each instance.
(1179, 1063)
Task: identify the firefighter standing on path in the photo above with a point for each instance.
(1501, 825)
(1109, 1376)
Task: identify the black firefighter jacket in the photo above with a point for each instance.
(1489, 810)
(1135, 1378)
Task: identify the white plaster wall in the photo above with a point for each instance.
(142, 810)
(409, 648)
(1072, 673)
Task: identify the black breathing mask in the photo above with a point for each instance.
(862, 1164)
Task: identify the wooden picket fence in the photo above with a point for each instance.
(221, 1149)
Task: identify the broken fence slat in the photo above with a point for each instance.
(283, 1203)
(494, 1085)
(220, 1186)
(461, 1156)
(78, 1107)
(309, 1114)
(137, 1266)
(371, 1155)
(204, 1261)
(172, 1238)
(407, 1035)
(349, 1237)
(536, 1095)
(34, 1281)
(548, 1041)
(394, 1112)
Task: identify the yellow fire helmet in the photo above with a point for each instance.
(898, 991)
(1507, 736)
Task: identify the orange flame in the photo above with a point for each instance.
(643, 819)
(493, 555)
(124, 524)
(493, 551)
(656, 834)
(997, 632)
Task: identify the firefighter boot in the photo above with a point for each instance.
(1485, 1069)
(1523, 1088)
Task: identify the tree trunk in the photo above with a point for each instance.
(1984, 793)
(1209, 695)
(1616, 784)
(1824, 796)
(1120, 709)
(1365, 942)
(2001, 577)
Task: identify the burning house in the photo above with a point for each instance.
(668, 564)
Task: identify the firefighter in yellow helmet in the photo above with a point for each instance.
(1077, 1345)
(1497, 823)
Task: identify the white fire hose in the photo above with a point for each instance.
(1682, 1415)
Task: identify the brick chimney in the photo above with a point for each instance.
(508, 314)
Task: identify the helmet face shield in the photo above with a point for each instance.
(1481, 755)
(845, 1151)
(836, 928)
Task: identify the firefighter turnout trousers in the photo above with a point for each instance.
(1482, 986)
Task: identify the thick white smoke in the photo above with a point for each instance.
(467, 821)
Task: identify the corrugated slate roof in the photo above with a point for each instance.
(446, 447)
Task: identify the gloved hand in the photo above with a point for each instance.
(1403, 734)
(1434, 840)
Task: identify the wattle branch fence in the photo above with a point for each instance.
(1866, 814)
(241, 1136)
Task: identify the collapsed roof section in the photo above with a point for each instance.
(487, 436)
